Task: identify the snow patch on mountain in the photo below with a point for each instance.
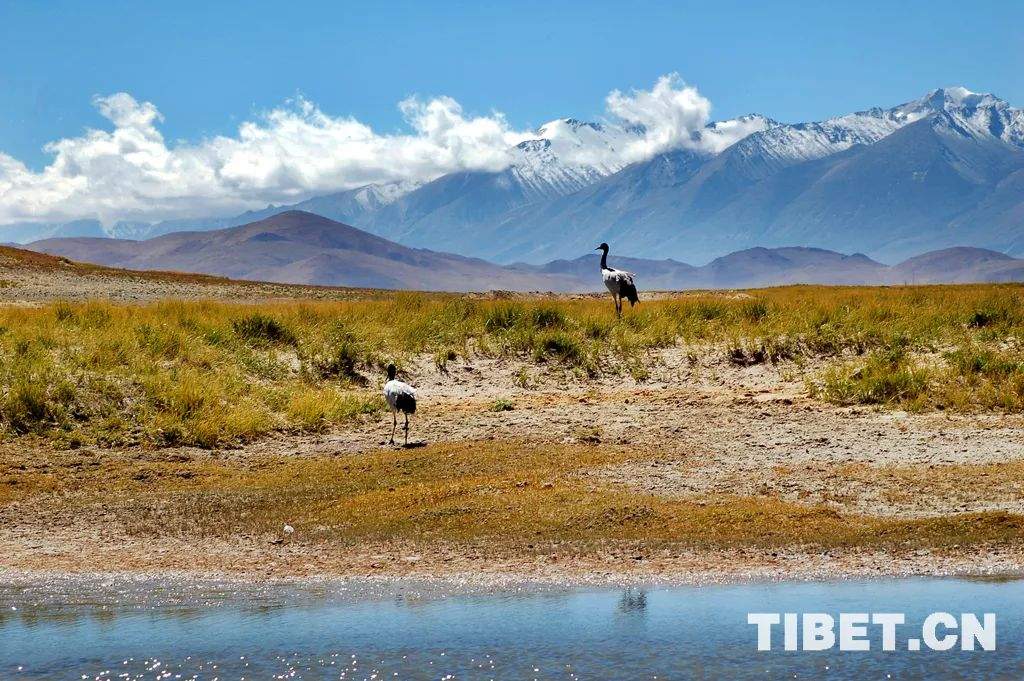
(977, 115)
(374, 196)
(720, 135)
(779, 146)
(569, 154)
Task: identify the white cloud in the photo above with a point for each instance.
(675, 115)
(297, 150)
(671, 113)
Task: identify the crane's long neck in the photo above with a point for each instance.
(604, 258)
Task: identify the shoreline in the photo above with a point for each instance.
(504, 571)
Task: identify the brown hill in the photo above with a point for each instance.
(300, 247)
(960, 264)
(28, 277)
(757, 267)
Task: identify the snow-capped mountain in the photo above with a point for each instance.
(567, 155)
(353, 204)
(981, 116)
(849, 182)
(935, 171)
(374, 196)
(570, 154)
(780, 146)
(465, 212)
(942, 170)
(719, 135)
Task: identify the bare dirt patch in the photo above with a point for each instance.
(698, 430)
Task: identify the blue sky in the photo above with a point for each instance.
(189, 109)
(208, 66)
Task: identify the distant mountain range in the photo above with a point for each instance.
(943, 170)
(296, 247)
(759, 267)
(303, 248)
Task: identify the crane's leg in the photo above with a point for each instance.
(394, 425)
(406, 429)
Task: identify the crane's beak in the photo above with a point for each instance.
(598, 248)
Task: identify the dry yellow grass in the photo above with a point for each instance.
(486, 494)
(1002, 481)
(211, 374)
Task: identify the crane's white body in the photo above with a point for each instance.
(616, 280)
(401, 397)
(620, 283)
(394, 388)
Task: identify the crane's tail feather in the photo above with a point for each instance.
(406, 403)
(629, 293)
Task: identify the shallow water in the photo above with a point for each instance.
(148, 630)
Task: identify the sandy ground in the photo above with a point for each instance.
(49, 279)
(722, 429)
(244, 559)
(719, 429)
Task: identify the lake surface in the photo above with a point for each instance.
(80, 629)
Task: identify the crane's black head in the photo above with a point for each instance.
(602, 247)
(392, 370)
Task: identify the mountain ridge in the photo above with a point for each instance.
(941, 170)
(292, 248)
(303, 248)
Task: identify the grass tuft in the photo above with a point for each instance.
(260, 328)
(502, 404)
(887, 377)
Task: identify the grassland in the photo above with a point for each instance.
(168, 423)
(210, 374)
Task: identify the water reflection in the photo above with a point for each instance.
(633, 600)
(340, 632)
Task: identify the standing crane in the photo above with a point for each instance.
(401, 397)
(619, 282)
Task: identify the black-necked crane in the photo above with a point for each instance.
(401, 397)
(619, 282)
